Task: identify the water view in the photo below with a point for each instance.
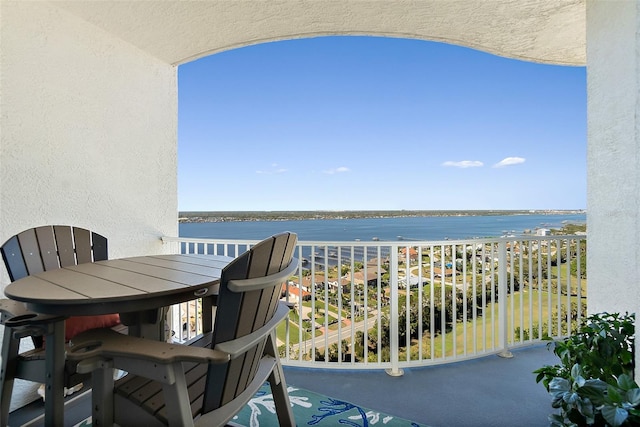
(385, 229)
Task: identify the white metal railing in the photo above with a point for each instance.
(389, 305)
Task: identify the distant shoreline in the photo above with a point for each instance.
(236, 216)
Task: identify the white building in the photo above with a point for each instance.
(543, 232)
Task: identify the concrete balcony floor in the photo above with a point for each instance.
(485, 392)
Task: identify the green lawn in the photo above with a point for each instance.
(294, 332)
(526, 310)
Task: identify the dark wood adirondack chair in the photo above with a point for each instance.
(30, 252)
(179, 385)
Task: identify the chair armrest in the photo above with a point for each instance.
(10, 308)
(109, 344)
(239, 346)
(14, 314)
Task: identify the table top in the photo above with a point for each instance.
(120, 285)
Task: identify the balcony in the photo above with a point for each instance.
(137, 193)
(446, 352)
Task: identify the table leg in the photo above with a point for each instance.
(147, 324)
(102, 395)
(54, 378)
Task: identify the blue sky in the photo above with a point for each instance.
(358, 123)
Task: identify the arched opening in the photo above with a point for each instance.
(359, 123)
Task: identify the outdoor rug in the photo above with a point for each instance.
(312, 409)
(309, 409)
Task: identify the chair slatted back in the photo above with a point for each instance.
(49, 247)
(241, 313)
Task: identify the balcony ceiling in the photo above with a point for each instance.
(548, 31)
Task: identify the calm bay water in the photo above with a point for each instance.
(384, 229)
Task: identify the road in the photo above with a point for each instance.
(333, 336)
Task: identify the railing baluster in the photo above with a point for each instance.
(454, 301)
(407, 302)
(579, 276)
(420, 302)
(494, 295)
(379, 312)
(474, 293)
(432, 314)
(502, 299)
(512, 323)
(352, 330)
(443, 301)
(393, 318)
(465, 308)
(521, 289)
(530, 282)
(484, 297)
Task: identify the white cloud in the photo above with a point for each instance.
(464, 164)
(509, 161)
(341, 169)
(272, 171)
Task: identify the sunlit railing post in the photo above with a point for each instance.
(394, 314)
(503, 322)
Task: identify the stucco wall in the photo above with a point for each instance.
(88, 131)
(613, 155)
(179, 31)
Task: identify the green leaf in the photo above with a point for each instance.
(576, 371)
(559, 385)
(614, 395)
(625, 382)
(614, 416)
(634, 412)
(586, 408)
(557, 401)
(625, 356)
(594, 390)
(633, 396)
(573, 417)
(571, 398)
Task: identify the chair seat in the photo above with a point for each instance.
(31, 367)
(135, 393)
(147, 394)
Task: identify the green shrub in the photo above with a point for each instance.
(593, 385)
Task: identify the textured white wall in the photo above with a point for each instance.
(88, 131)
(613, 157)
(179, 31)
(613, 193)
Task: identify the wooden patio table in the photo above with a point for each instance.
(137, 288)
